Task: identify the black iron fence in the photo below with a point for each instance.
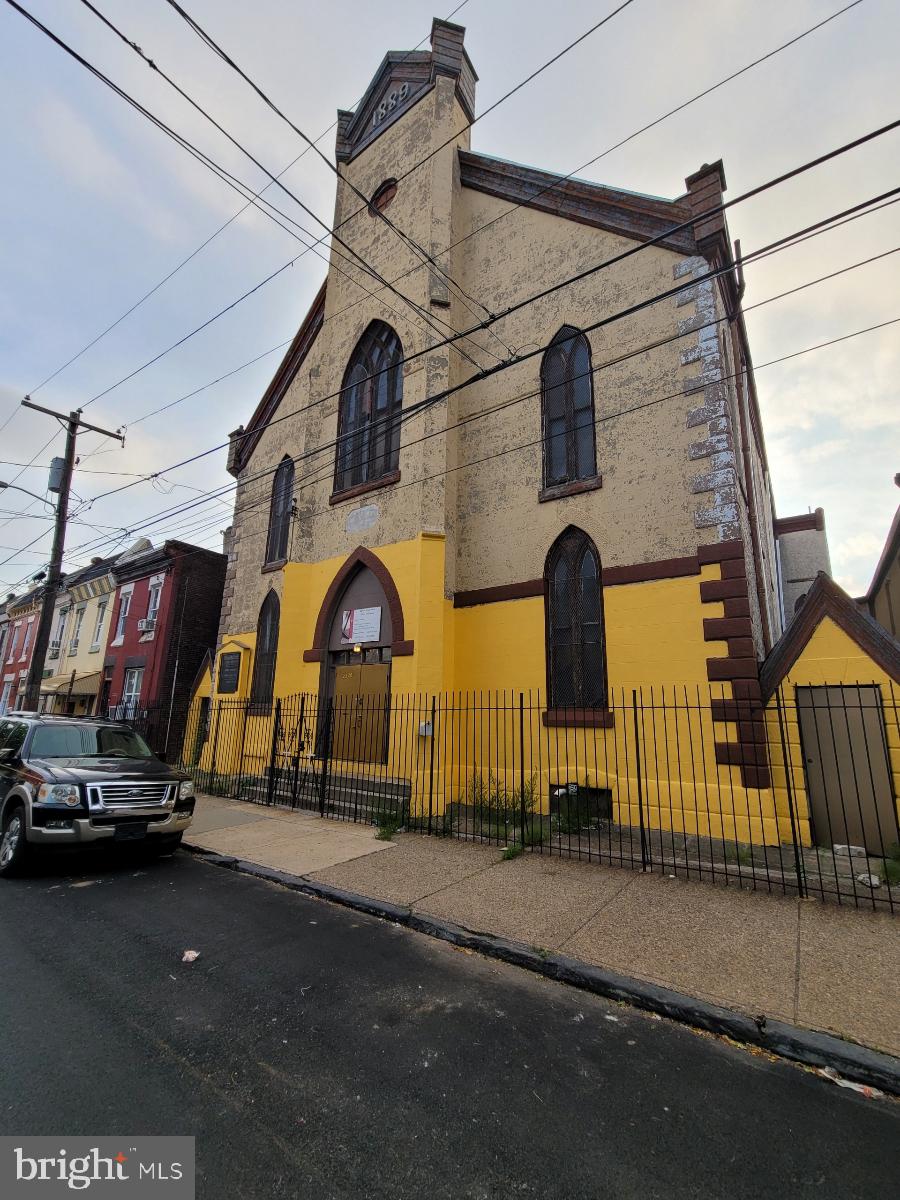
(797, 796)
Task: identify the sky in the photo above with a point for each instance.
(97, 206)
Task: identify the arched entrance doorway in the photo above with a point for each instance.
(357, 669)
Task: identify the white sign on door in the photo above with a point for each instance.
(360, 625)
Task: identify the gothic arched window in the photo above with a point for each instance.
(567, 409)
(280, 512)
(263, 685)
(369, 420)
(576, 653)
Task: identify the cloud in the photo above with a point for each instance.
(87, 163)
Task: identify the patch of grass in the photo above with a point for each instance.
(498, 804)
(736, 853)
(512, 852)
(890, 869)
(893, 851)
(386, 825)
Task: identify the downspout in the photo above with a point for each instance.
(175, 672)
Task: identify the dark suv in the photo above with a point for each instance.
(73, 781)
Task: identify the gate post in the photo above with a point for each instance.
(522, 768)
(431, 766)
(789, 782)
(240, 771)
(298, 744)
(276, 729)
(326, 756)
(215, 745)
(640, 785)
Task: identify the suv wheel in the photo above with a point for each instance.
(163, 845)
(13, 847)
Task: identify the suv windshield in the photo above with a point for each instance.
(87, 741)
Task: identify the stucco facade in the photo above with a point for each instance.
(454, 540)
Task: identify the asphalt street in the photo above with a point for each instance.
(317, 1053)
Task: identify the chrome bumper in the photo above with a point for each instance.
(86, 830)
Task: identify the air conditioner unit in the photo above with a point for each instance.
(147, 625)
(53, 652)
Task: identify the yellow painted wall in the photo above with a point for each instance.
(830, 657)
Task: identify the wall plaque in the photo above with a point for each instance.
(360, 625)
(229, 672)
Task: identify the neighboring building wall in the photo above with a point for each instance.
(882, 601)
(802, 554)
(23, 613)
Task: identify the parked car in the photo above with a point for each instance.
(68, 781)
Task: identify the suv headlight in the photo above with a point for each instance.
(185, 790)
(59, 793)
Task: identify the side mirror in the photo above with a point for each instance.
(6, 753)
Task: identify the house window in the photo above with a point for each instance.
(576, 654)
(124, 605)
(263, 686)
(98, 628)
(27, 641)
(57, 641)
(131, 692)
(153, 600)
(280, 512)
(5, 695)
(12, 642)
(567, 409)
(76, 631)
(368, 446)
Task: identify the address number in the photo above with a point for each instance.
(390, 102)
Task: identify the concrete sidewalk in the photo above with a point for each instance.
(801, 961)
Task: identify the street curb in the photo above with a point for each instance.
(858, 1063)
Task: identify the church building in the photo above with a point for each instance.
(515, 443)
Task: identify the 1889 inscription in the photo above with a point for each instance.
(389, 103)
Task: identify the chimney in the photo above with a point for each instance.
(705, 188)
(234, 449)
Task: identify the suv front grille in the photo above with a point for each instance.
(129, 795)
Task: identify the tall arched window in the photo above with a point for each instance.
(263, 685)
(576, 654)
(280, 512)
(567, 407)
(369, 420)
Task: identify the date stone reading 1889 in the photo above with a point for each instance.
(389, 103)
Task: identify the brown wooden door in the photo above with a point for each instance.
(360, 712)
(851, 795)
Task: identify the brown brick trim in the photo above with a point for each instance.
(361, 557)
(637, 217)
(813, 520)
(503, 591)
(720, 551)
(582, 718)
(739, 668)
(716, 629)
(663, 568)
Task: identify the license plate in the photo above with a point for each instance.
(133, 831)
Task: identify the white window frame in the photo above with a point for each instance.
(76, 629)
(98, 627)
(27, 643)
(122, 615)
(15, 638)
(5, 693)
(154, 596)
(131, 697)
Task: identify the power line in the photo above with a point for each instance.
(555, 183)
(530, 354)
(190, 256)
(763, 252)
(275, 179)
(608, 417)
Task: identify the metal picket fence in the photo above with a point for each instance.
(643, 784)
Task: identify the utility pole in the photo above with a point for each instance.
(73, 425)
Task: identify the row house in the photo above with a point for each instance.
(73, 669)
(22, 616)
(163, 621)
